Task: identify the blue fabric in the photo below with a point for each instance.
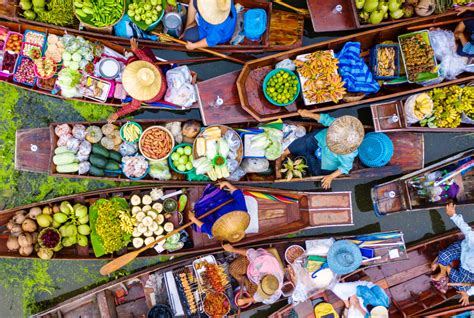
(460, 275)
(354, 72)
(213, 197)
(457, 275)
(306, 146)
(217, 33)
(191, 34)
(374, 296)
(125, 28)
(468, 48)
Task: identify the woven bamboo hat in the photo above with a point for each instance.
(379, 312)
(268, 286)
(231, 226)
(142, 80)
(345, 135)
(214, 11)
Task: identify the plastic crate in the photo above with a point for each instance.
(374, 61)
(9, 34)
(42, 44)
(18, 63)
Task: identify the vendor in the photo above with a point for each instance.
(462, 250)
(209, 23)
(263, 270)
(362, 299)
(330, 152)
(464, 32)
(230, 221)
(142, 80)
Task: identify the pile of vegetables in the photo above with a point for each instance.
(270, 141)
(375, 11)
(99, 13)
(145, 12)
(57, 12)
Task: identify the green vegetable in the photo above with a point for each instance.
(81, 13)
(68, 168)
(57, 12)
(26, 4)
(97, 172)
(98, 149)
(30, 15)
(64, 158)
(112, 165)
(98, 161)
(114, 155)
(183, 200)
(59, 150)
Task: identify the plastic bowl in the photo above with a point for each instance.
(170, 162)
(139, 135)
(138, 178)
(267, 78)
(145, 133)
(55, 68)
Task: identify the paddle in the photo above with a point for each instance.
(301, 11)
(172, 39)
(123, 260)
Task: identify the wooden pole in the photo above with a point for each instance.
(301, 11)
(227, 57)
(123, 260)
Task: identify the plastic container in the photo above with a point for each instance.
(18, 63)
(3, 36)
(26, 47)
(255, 24)
(170, 162)
(94, 82)
(145, 133)
(374, 61)
(142, 25)
(136, 178)
(267, 78)
(27, 38)
(44, 84)
(9, 34)
(139, 134)
(55, 68)
(109, 68)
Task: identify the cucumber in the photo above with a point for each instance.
(98, 149)
(64, 158)
(98, 161)
(114, 155)
(68, 168)
(95, 171)
(60, 150)
(112, 165)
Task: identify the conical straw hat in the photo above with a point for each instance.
(345, 135)
(231, 226)
(214, 11)
(268, 286)
(142, 80)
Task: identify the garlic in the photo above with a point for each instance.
(26, 250)
(12, 243)
(29, 225)
(25, 239)
(10, 224)
(19, 217)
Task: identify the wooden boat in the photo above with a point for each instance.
(275, 218)
(409, 156)
(249, 82)
(398, 196)
(407, 283)
(390, 116)
(453, 311)
(284, 30)
(99, 302)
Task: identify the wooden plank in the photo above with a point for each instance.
(324, 19)
(32, 149)
(286, 30)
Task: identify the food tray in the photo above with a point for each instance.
(185, 293)
(374, 61)
(41, 44)
(43, 83)
(10, 33)
(422, 77)
(209, 258)
(104, 85)
(18, 62)
(22, 49)
(3, 36)
(7, 73)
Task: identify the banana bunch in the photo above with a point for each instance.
(131, 132)
(448, 107)
(423, 106)
(127, 222)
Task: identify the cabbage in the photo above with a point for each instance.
(202, 165)
(67, 56)
(74, 65)
(76, 57)
(260, 141)
(273, 152)
(67, 80)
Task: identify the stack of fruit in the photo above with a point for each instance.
(423, 106)
(281, 87)
(145, 13)
(130, 132)
(182, 158)
(375, 11)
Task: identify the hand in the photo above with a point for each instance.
(134, 43)
(192, 217)
(243, 301)
(326, 181)
(113, 117)
(190, 46)
(353, 300)
(224, 184)
(305, 113)
(227, 247)
(464, 300)
(461, 10)
(451, 209)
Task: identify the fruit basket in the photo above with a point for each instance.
(275, 81)
(142, 24)
(181, 157)
(380, 62)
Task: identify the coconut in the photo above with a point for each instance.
(29, 225)
(45, 253)
(25, 239)
(12, 243)
(26, 250)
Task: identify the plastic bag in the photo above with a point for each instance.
(233, 140)
(127, 149)
(180, 89)
(290, 134)
(444, 46)
(255, 165)
(175, 129)
(160, 170)
(232, 165)
(286, 64)
(236, 175)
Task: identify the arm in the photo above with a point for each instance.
(229, 248)
(196, 45)
(125, 110)
(460, 223)
(228, 185)
(193, 219)
(327, 180)
(191, 15)
(464, 300)
(459, 33)
(139, 53)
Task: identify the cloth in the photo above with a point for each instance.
(261, 263)
(213, 197)
(354, 72)
(456, 275)
(468, 48)
(306, 146)
(125, 28)
(216, 33)
(467, 245)
(329, 160)
(192, 34)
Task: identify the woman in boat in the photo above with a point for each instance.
(459, 250)
(262, 269)
(209, 23)
(464, 32)
(142, 80)
(330, 152)
(230, 221)
(362, 299)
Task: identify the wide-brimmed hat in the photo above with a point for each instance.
(345, 135)
(344, 257)
(142, 80)
(214, 11)
(268, 286)
(379, 312)
(231, 226)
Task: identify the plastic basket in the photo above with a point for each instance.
(374, 61)
(41, 45)
(170, 162)
(18, 63)
(147, 28)
(376, 150)
(139, 134)
(10, 33)
(267, 78)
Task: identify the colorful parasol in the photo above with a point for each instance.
(272, 197)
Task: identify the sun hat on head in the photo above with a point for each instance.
(345, 135)
(268, 285)
(231, 226)
(379, 312)
(214, 11)
(344, 257)
(142, 80)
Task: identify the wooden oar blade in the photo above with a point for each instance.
(118, 263)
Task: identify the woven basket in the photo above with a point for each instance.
(238, 270)
(105, 29)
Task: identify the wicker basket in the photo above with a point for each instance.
(106, 29)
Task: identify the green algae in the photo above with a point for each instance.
(92, 112)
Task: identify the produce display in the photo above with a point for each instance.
(182, 158)
(131, 132)
(99, 13)
(13, 42)
(57, 12)
(45, 67)
(282, 87)
(418, 54)
(35, 38)
(55, 48)
(319, 78)
(376, 11)
(24, 71)
(156, 143)
(33, 52)
(386, 57)
(9, 60)
(145, 12)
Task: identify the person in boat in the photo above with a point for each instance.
(209, 23)
(463, 251)
(261, 269)
(464, 32)
(230, 221)
(330, 152)
(362, 299)
(142, 80)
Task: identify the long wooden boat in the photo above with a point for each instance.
(407, 283)
(408, 156)
(390, 116)
(99, 302)
(249, 82)
(399, 196)
(275, 218)
(453, 311)
(284, 30)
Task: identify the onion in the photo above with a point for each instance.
(26, 250)
(19, 217)
(12, 243)
(29, 225)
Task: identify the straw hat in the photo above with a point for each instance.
(214, 11)
(142, 80)
(344, 257)
(231, 226)
(345, 135)
(379, 312)
(268, 286)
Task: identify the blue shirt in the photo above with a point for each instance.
(217, 33)
(330, 160)
(237, 204)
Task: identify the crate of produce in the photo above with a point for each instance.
(3, 36)
(13, 42)
(35, 37)
(7, 66)
(24, 71)
(46, 84)
(385, 61)
(418, 56)
(33, 51)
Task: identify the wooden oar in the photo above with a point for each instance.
(123, 260)
(301, 11)
(172, 39)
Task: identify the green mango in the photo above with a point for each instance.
(394, 5)
(360, 4)
(376, 16)
(370, 5)
(396, 14)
